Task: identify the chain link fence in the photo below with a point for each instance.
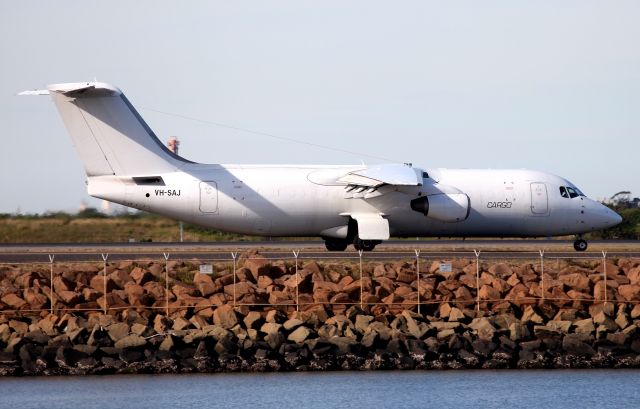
(376, 282)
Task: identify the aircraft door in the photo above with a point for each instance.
(539, 198)
(208, 197)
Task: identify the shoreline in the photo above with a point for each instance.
(203, 333)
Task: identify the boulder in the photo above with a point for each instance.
(155, 290)
(530, 315)
(584, 326)
(573, 344)
(603, 321)
(98, 284)
(118, 331)
(575, 281)
(489, 293)
(253, 320)
(618, 338)
(35, 298)
(258, 265)
(483, 328)
(13, 301)
(162, 324)
(27, 279)
(204, 283)
(120, 278)
(135, 294)
(560, 326)
(19, 327)
(501, 270)
(299, 335)
(225, 316)
(274, 338)
(279, 298)
(622, 320)
(62, 284)
(415, 328)
(291, 324)
(90, 295)
(130, 341)
(241, 288)
(70, 298)
(518, 331)
(630, 292)
(140, 276)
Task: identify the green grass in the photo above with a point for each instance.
(94, 227)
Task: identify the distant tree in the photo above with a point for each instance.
(628, 229)
(91, 213)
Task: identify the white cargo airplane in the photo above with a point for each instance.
(360, 205)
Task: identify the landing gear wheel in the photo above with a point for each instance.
(365, 245)
(336, 245)
(580, 245)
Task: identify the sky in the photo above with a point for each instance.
(545, 85)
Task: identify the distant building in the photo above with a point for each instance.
(173, 144)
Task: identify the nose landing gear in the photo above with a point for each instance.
(580, 244)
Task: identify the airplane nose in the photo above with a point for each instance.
(613, 218)
(608, 218)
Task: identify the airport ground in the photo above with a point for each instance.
(315, 249)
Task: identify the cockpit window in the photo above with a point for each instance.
(425, 175)
(563, 192)
(570, 192)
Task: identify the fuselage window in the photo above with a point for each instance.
(563, 192)
(425, 175)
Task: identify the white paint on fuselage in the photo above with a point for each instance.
(282, 201)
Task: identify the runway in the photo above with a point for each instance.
(308, 250)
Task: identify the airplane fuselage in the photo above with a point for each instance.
(307, 201)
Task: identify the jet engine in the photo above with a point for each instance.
(445, 207)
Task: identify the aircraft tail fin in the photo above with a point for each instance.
(110, 136)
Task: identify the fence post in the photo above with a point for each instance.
(542, 272)
(295, 255)
(166, 281)
(418, 275)
(604, 273)
(104, 272)
(361, 283)
(477, 253)
(235, 257)
(51, 258)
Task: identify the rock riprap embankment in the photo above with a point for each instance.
(342, 321)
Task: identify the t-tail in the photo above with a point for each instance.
(108, 133)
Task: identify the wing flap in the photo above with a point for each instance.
(391, 174)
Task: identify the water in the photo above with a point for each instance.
(411, 389)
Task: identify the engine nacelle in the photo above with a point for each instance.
(445, 207)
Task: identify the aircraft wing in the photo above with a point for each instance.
(364, 183)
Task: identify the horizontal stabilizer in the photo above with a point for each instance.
(34, 92)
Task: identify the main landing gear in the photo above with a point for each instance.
(580, 244)
(358, 244)
(336, 244)
(365, 245)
